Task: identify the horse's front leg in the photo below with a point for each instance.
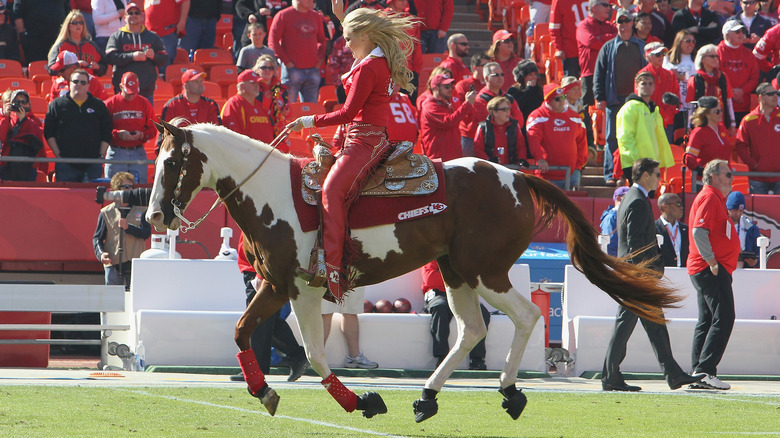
(308, 313)
(264, 304)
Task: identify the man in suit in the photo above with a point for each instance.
(674, 250)
(637, 242)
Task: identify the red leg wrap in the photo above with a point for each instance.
(346, 398)
(252, 374)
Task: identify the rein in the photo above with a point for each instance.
(189, 225)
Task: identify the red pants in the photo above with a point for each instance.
(364, 147)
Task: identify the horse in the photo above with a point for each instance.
(489, 222)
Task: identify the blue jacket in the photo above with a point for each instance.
(609, 228)
(752, 233)
(604, 75)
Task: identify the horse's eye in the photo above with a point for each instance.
(170, 163)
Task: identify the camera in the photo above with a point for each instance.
(133, 197)
(16, 107)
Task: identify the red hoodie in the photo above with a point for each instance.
(741, 68)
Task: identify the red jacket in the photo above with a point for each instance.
(468, 127)
(464, 86)
(507, 67)
(705, 144)
(438, 135)
(431, 277)
(741, 68)
(457, 67)
(665, 82)
(591, 35)
(767, 47)
(435, 14)
(757, 141)
(403, 123)
(86, 51)
(130, 115)
(500, 138)
(247, 118)
(161, 17)
(564, 16)
(297, 36)
(558, 138)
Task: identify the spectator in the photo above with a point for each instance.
(499, 138)
(748, 230)
(37, 23)
(416, 59)
(247, 57)
(740, 67)
(700, 21)
(526, 90)
(768, 10)
(674, 249)
(403, 124)
(65, 64)
(273, 95)
(573, 89)
(437, 305)
(191, 104)
(710, 81)
(137, 49)
(756, 24)
(425, 95)
(538, 12)
(643, 26)
(638, 245)
(132, 117)
(609, 220)
(503, 52)
(9, 41)
(78, 125)
(556, 137)
(766, 49)
(664, 8)
(458, 46)
(680, 62)
(438, 119)
(167, 19)
(248, 12)
(665, 82)
(708, 140)
(74, 37)
(661, 26)
(476, 81)
(339, 63)
(758, 135)
(108, 17)
(436, 16)
(618, 62)
(565, 15)
(85, 7)
(22, 136)
(371, 4)
(120, 234)
(244, 114)
(200, 28)
(350, 327)
(714, 251)
(640, 128)
(494, 80)
(298, 39)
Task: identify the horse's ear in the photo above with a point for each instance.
(160, 128)
(173, 130)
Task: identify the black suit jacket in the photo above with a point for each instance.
(636, 230)
(668, 255)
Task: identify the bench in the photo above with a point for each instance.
(63, 299)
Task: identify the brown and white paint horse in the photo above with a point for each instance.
(487, 226)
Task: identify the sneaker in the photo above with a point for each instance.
(710, 382)
(477, 364)
(237, 377)
(360, 361)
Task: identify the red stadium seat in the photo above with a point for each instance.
(182, 57)
(163, 89)
(37, 68)
(213, 90)
(19, 84)
(208, 58)
(10, 68)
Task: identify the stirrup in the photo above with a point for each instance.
(316, 275)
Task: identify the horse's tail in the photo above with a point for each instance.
(633, 286)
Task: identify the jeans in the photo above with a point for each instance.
(716, 319)
(303, 80)
(170, 42)
(431, 43)
(201, 34)
(68, 173)
(571, 67)
(467, 146)
(140, 171)
(574, 180)
(102, 42)
(611, 134)
(89, 23)
(113, 276)
(763, 188)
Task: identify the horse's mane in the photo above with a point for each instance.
(211, 130)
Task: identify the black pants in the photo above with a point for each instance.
(616, 352)
(441, 315)
(273, 332)
(716, 319)
(571, 67)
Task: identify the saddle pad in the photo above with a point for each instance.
(370, 211)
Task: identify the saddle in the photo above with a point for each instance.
(403, 173)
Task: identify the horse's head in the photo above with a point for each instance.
(180, 172)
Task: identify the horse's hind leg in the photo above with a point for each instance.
(308, 313)
(524, 315)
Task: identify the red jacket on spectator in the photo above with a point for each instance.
(161, 17)
(665, 81)
(500, 136)
(706, 144)
(81, 5)
(431, 277)
(130, 115)
(87, 51)
(247, 118)
(767, 47)
(459, 70)
(741, 68)
(591, 35)
(507, 67)
(403, 120)
(438, 120)
(464, 86)
(563, 15)
(757, 141)
(31, 126)
(435, 14)
(468, 127)
(297, 36)
(558, 138)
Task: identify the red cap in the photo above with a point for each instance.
(501, 35)
(248, 76)
(191, 74)
(441, 79)
(130, 82)
(133, 6)
(552, 90)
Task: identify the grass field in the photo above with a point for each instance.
(51, 411)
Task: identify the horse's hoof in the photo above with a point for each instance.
(424, 409)
(269, 398)
(514, 406)
(373, 404)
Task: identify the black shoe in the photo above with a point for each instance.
(297, 368)
(237, 377)
(477, 364)
(619, 387)
(685, 379)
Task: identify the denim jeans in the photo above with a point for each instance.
(141, 171)
(611, 134)
(170, 42)
(201, 34)
(431, 43)
(574, 180)
(467, 146)
(763, 188)
(303, 80)
(67, 173)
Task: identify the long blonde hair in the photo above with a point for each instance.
(64, 35)
(388, 31)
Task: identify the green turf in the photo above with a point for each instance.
(53, 411)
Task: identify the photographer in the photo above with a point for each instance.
(22, 136)
(120, 232)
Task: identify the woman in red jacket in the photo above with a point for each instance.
(380, 45)
(499, 138)
(708, 140)
(74, 38)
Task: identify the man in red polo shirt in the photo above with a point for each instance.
(439, 121)
(191, 104)
(714, 251)
(244, 114)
